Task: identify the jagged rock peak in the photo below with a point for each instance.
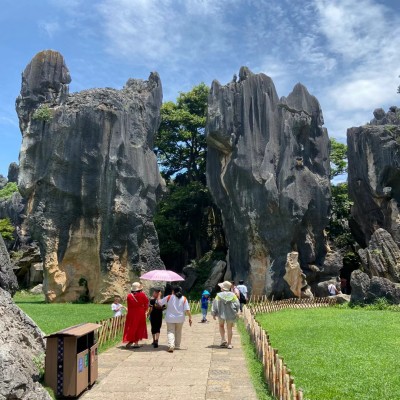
(90, 177)
(374, 176)
(268, 171)
(392, 117)
(46, 77)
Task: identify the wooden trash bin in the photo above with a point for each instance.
(72, 359)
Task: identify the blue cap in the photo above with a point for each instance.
(205, 292)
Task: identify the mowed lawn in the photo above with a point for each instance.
(56, 316)
(339, 353)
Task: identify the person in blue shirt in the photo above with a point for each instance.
(205, 300)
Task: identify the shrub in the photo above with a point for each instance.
(6, 229)
(42, 113)
(8, 190)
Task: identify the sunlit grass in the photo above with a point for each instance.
(56, 316)
(339, 353)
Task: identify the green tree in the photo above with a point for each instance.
(180, 145)
(6, 229)
(181, 220)
(8, 190)
(338, 158)
(339, 230)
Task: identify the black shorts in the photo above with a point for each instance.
(156, 322)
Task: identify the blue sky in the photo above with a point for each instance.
(346, 52)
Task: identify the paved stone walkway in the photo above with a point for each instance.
(201, 370)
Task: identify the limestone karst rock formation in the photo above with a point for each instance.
(90, 179)
(21, 351)
(8, 280)
(374, 188)
(374, 176)
(268, 171)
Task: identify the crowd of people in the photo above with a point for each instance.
(174, 309)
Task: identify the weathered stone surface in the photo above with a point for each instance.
(26, 259)
(90, 179)
(21, 349)
(294, 275)
(366, 290)
(13, 208)
(217, 275)
(8, 280)
(3, 181)
(13, 171)
(268, 171)
(38, 289)
(382, 256)
(190, 277)
(374, 176)
(342, 298)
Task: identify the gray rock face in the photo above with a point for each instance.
(13, 170)
(366, 290)
(268, 171)
(21, 349)
(374, 176)
(217, 275)
(3, 181)
(382, 257)
(90, 179)
(13, 208)
(8, 280)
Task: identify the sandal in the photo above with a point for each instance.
(224, 343)
(229, 346)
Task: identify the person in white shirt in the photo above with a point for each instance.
(243, 290)
(117, 307)
(332, 289)
(177, 307)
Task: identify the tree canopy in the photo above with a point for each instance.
(180, 145)
(338, 158)
(182, 216)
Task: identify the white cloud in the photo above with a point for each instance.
(151, 33)
(50, 27)
(364, 35)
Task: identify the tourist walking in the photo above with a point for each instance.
(135, 324)
(243, 294)
(234, 289)
(225, 306)
(177, 307)
(205, 301)
(156, 316)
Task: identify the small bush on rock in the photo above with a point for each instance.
(43, 113)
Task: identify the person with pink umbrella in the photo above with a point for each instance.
(177, 307)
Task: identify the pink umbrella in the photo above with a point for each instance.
(162, 275)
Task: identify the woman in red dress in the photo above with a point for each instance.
(135, 324)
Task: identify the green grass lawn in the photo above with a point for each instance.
(55, 316)
(339, 353)
(254, 365)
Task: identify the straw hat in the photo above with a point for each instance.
(225, 286)
(136, 286)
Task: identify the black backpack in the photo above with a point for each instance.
(242, 299)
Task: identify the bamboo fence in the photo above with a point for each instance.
(276, 372)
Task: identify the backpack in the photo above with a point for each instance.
(242, 298)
